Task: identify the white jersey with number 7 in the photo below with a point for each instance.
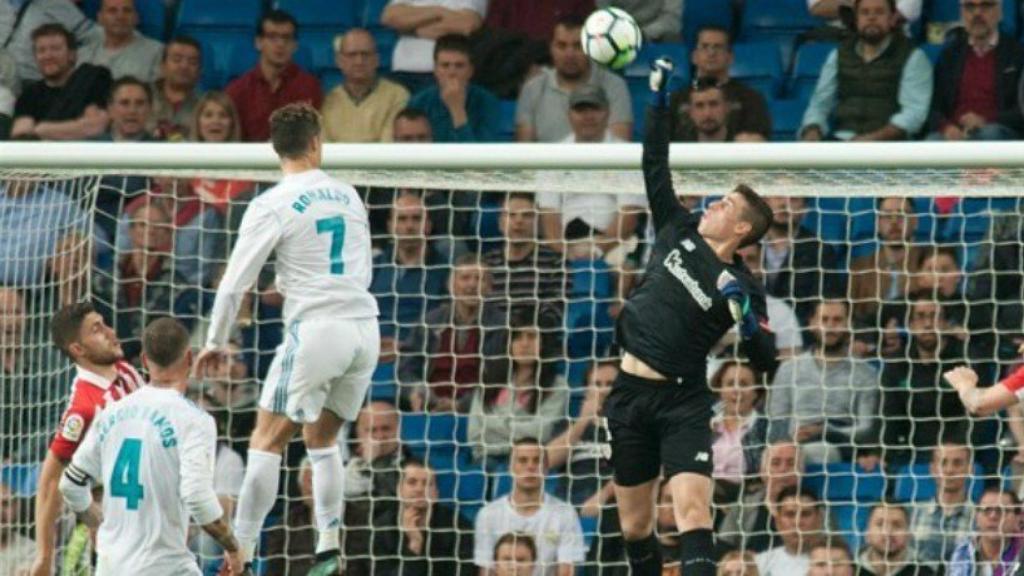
(321, 232)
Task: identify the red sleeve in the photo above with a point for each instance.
(73, 425)
(1014, 382)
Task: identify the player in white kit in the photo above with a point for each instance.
(319, 376)
(153, 452)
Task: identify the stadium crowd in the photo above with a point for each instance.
(481, 444)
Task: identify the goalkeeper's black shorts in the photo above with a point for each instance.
(656, 423)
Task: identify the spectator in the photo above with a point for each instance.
(276, 79)
(708, 111)
(68, 103)
(123, 50)
(459, 111)
(748, 119)
(33, 218)
(737, 563)
(976, 79)
(997, 547)
(363, 108)
(129, 108)
(229, 394)
(515, 554)
(660, 21)
(875, 86)
(372, 475)
(176, 93)
(541, 112)
(17, 551)
(215, 119)
(534, 18)
(70, 278)
(7, 102)
(738, 429)
(527, 276)
(879, 279)
(16, 33)
(918, 407)
(830, 557)
(420, 23)
(581, 448)
(442, 359)
(839, 14)
(410, 276)
(800, 522)
(797, 265)
(14, 377)
(937, 526)
(10, 85)
(607, 221)
(522, 393)
(749, 525)
(412, 125)
(415, 535)
(147, 279)
(782, 320)
(290, 547)
(970, 317)
(824, 398)
(552, 523)
(887, 550)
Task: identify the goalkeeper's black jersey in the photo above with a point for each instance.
(676, 314)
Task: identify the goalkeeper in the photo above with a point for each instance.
(694, 290)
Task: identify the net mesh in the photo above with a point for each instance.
(927, 262)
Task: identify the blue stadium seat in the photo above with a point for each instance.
(786, 118)
(932, 51)
(420, 429)
(234, 15)
(652, 51)
(946, 13)
(780, 21)
(330, 78)
(386, 40)
(701, 13)
(640, 96)
(508, 120)
(807, 67)
(311, 14)
(369, 16)
(21, 479)
(319, 48)
(226, 55)
(851, 521)
(914, 483)
(759, 65)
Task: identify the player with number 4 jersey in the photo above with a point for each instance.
(153, 453)
(319, 376)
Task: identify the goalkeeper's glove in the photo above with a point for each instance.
(741, 310)
(661, 71)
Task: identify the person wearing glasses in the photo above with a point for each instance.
(874, 86)
(977, 79)
(276, 79)
(996, 547)
(363, 108)
(748, 119)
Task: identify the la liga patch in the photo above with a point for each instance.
(73, 427)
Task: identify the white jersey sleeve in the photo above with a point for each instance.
(198, 453)
(83, 471)
(258, 234)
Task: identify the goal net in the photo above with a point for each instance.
(499, 271)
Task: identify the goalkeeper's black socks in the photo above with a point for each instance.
(697, 553)
(644, 556)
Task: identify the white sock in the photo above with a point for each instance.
(328, 477)
(259, 491)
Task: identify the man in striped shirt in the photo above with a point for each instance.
(102, 377)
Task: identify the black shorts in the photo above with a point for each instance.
(655, 423)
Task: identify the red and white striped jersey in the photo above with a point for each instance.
(90, 393)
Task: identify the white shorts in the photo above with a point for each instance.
(322, 363)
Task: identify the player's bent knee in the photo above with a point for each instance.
(272, 432)
(691, 501)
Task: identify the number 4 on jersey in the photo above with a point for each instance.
(124, 480)
(336, 227)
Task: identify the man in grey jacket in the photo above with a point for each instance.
(825, 399)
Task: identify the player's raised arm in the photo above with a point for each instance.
(258, 234)
(657, 175)
(750, 311)
(987, 400)
(197, 459)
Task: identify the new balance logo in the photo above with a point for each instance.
(688, 245)
(702, 457)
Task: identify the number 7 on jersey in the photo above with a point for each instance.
(336, 227)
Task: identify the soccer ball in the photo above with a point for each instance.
(611, 37)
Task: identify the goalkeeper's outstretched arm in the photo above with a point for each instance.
(657, 176)
(986, 400)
